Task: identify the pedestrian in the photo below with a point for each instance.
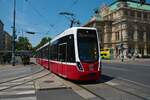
(134, 55)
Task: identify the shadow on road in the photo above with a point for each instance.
(103, 79)
(106, 78)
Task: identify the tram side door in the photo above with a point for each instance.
(62, 56)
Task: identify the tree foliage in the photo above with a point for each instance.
(23, 44)
(42, 42)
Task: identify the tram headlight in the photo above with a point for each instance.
(79, 66)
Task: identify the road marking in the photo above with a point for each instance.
(85, 94)
(112, 83)
(27, 92)
(2, 87)
(134, 82)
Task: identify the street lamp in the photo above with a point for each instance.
(14, 34)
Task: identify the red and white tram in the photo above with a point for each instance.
(73, 54)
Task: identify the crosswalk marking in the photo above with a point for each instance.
(21, 92)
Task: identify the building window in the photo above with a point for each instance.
(106, 17)
(140, 36)
(145, 16)
(111, 17)
(125, 12)
(148, 36)
(139, 14)
(117, 36)
(132, 13)
(131, 36)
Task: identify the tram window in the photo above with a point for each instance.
(70, 53)
(62, 47)
(54, 50)
(40, 53)
(45, 52)
(87, 45)
(70, 49)
(66, 53)
(62, 54)
(49, 51)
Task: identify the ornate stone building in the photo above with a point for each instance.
(124, 23)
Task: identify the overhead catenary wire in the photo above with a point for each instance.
(43, 17)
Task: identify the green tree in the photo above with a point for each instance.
(43, 41)
(23, 44)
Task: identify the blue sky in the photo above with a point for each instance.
(42, 16)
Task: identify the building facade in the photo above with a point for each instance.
(1, 33)
(1, 26)
(7, 41)
(5, 44)
(125, 27)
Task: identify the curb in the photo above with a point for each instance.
(127, 62)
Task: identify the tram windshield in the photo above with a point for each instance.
(87, 45)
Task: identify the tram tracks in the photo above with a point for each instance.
(23, 76)
(105, 90)
(120, 91)
(14, 82)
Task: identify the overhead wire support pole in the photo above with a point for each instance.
(71, 17)
(14, 35)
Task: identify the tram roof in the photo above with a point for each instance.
(42, 46)
(66, 32)
(70, 31)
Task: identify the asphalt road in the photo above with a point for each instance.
(137, 73)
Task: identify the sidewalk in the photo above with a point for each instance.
(51, 88)
(129, 61)
(8, 65)
(3, 66)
